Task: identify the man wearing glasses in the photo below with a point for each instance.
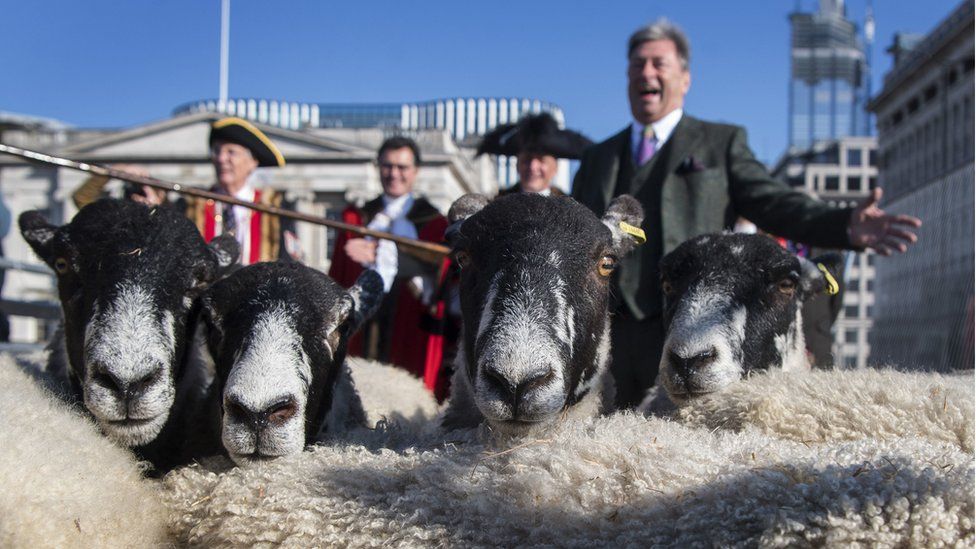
(394, 334)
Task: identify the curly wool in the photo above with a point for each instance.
(622, 480)
(822, 406)
(391, 394)
(64, 484)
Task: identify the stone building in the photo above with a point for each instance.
(465, 119)
(326, 167)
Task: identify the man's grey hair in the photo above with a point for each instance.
(662, 29)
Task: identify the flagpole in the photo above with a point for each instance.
(224, 50)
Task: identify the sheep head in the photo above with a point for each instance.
(534, 291)
(128, 277)
(277, 333)
(732, 307)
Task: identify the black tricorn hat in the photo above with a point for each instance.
(242, 132)
(535, 133)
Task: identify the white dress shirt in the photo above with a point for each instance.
(392, 219)
(663, 129)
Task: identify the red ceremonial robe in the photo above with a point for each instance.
(409, 345)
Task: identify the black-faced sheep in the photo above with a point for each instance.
(534, 291)
(277, 333)
(732, 307)
(128, 278)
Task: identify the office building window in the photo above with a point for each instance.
(853, 183)
(854, 157)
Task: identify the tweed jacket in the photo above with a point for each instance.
(700, 180)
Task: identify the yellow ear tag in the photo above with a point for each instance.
(633, 231)
(832, 286)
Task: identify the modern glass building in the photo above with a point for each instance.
(829, 77)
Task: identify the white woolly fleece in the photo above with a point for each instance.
(622, 480)
(823, 406)
(392, 394)
(63, 483)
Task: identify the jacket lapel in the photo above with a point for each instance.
(684, 139)
(619, 147)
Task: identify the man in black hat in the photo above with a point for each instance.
(237, 150)
(537, 141)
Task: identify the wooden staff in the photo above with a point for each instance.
(421, 248)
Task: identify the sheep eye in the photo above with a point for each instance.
(666, 287)
(61, 265)
(463, 259)
(606, 265)
(787, 286)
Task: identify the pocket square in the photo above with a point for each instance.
(690, 165)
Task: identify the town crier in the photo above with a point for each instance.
(237, 150)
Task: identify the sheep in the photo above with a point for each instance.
(64, 484)
(618, 480)
(534, 291)
(824, 406)
(277, 333)
(668, 483)
(128, 278)
(732, 307)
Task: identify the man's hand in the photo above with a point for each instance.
(150, 196)
(870, 227)
(134, 169)
(361, 250)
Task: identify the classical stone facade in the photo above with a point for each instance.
(326, 167)
(465, 119)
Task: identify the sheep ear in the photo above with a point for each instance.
(822, 274)
(466, 206)
(624, 218)
(226, 250)
(213, 325)
(366, 294)
(461, 209)
(39, 234)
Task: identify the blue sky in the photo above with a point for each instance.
(100, 63)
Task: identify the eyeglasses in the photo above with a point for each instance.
(387, 167)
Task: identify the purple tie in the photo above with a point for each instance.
(648, 146)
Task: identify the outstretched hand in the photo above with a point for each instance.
(870, 227)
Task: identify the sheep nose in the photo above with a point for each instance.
(125, 387)
(515, 391)
(684, 366)
(273, 415)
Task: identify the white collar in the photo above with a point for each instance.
(397, 206)
(663, 128)
(246, 193)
